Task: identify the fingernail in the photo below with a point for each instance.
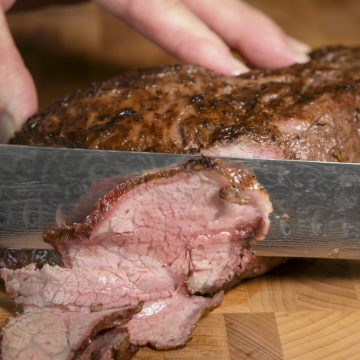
(298, 45)
(238, 67)
(7, 128)
(302, 58)
(299, 49)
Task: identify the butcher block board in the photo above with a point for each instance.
(303, 309)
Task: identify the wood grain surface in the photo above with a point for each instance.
(304, 309)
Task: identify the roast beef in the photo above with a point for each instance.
(158, 238)
(195, 219)
(83, 288)
(110, 344)
(186, 231)
(306, 111)
(60, 334)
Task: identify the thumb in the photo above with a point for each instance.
(18, 99)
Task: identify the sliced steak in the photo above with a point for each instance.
(165, 322)
(187, 229)
(81, 288)
(168, 324)
(193, 222)
(54, 333)
(157, 238)
(306, 111)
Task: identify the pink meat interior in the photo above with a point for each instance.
(179, 225)
(160, 243)
(52, 333)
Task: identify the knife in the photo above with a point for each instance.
(316, 204)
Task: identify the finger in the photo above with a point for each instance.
(170, 24)
(297, 46)
(6, 4)
(249, 31)
(18, 98)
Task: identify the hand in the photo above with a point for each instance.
(195, 31)
(202, 31)
(18, 99)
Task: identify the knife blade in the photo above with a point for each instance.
(316, 204)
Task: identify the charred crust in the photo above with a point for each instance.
(197, 98)
(200, 164)
(215, 109)
(264, 264)
(125, 112)
(115, 319)
(17, 258)
(234, 195)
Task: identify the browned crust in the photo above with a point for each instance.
(18, 258)
(259, 266)
(117, 348)
(137, 111)
(237, 180)
(116, 318)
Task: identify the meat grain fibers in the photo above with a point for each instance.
(189, 237)
(165, 238)
(59, 334)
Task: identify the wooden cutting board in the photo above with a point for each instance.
(304, 310)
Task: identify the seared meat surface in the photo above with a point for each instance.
(307, 111)
(17, 258)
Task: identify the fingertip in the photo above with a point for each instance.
(250, 32)
(28, 96)
(299, 49)
(238, 67)
(21, 102)
(297, 45)
(223, 63)
(209, 52)
(274, 51)
(18, 98)
(302, 58)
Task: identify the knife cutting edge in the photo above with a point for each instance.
(315, 204)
